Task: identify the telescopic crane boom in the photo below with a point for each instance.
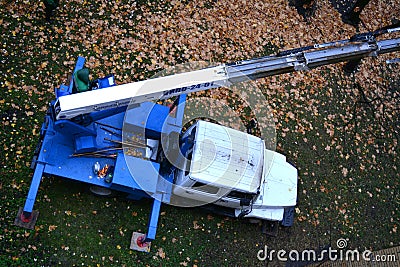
(357, 47)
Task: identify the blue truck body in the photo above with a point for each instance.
(61, 139)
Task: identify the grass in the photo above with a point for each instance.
(348, 177)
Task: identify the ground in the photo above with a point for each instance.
(341, 131)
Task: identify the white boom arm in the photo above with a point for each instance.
(70, 106)
(73, 105)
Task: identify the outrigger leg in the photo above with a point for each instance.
(142, 242)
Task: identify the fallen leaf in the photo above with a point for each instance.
(52, 227)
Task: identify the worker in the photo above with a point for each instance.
(352, 16)
(50, 6)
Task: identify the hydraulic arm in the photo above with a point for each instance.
(70, 106)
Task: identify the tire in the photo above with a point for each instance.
(101, 191)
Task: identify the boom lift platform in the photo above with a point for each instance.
(82, 135)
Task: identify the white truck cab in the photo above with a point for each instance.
(229, 168)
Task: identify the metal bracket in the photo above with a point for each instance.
(270, 228)
(300, 66)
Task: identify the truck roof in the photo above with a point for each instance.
(227, 158)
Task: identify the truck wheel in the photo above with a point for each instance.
(100, 191)
(288, 217)
(270, 228)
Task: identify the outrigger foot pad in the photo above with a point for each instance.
(138, 244)
(26, 221)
